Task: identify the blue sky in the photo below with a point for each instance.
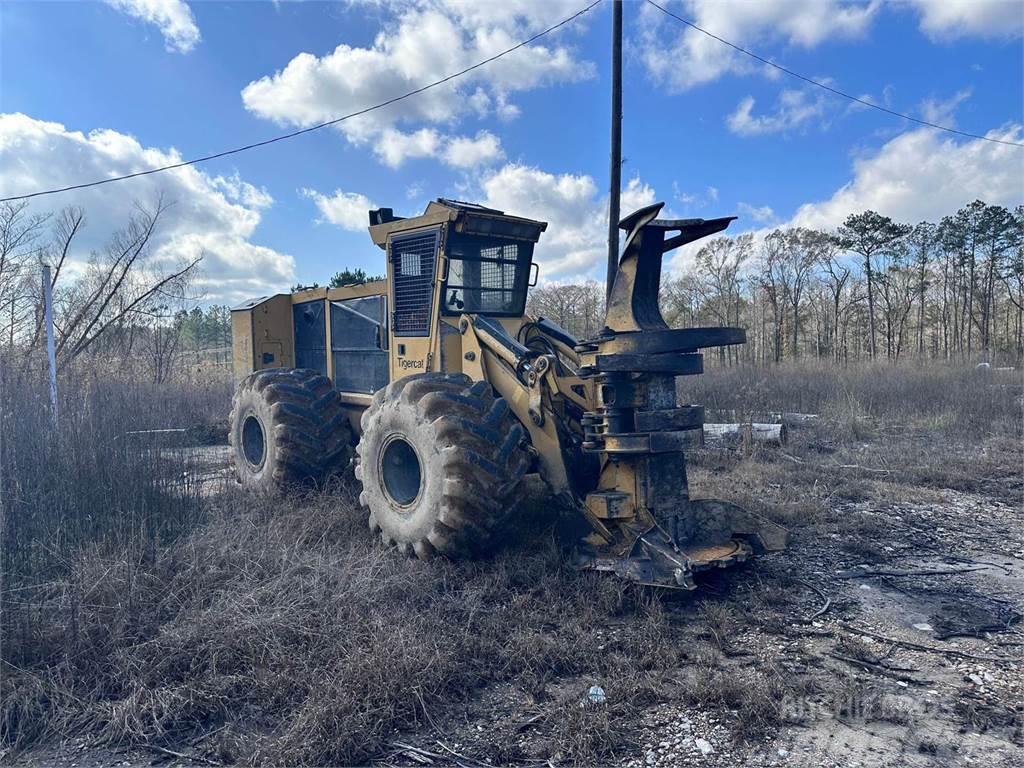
(90, 89)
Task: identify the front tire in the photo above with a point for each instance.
(440, 459)
(287, 428)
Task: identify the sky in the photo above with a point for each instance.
(94, 89)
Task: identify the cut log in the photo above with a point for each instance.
(797, 419)
(791, 420)
(745, 434)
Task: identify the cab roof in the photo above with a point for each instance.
(468, 218)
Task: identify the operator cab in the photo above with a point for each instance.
(484, 260)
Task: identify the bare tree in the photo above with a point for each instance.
(681, 300)
(1012, 277)
(719, 265)
(937, 290)
(160, 341)
(577, 307)
(21, 233)
(835, 275)
(997, 238)
(107, 300)
(803, 250)
(118, 286)
(922, 244)
(772, 256)
(897, 286)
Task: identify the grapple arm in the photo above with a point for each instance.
(633, 303)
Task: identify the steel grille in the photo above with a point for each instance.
(412, 264)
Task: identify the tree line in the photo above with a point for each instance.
(872, 289)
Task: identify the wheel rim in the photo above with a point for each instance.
(400, 473)
(254, 443)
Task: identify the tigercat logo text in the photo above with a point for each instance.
(402, 363)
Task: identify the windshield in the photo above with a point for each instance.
(487, 276)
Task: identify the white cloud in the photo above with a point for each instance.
(504, 109)
(694, 200)
(682, 57)
(762, 214)
(793, 110)
(238, 191)
(215, 217)
(940, 111)
(463, 152)
(480, 101)
(426, 41)
(946, 19)
(574, 246)
(173, 18)
(569, 203)
(636, 195)
(394, 147)
(575, 242)
(348, 210)
(922, 174)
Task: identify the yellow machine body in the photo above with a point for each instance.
(453, 301)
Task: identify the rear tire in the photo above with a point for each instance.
(440, 459)
(287, 428)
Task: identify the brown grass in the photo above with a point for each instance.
(314, 644)
(860, 401)
(87, 480)
(898, 433)
(136, 609)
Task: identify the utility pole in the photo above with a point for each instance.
(615, 180)
(51, 354)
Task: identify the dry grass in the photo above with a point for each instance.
(860, 401)
(87, 480)
(136, 609)
(315, 644)
(891, 432)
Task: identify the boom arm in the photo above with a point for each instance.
(542, 398)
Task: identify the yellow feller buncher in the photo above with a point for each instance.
(447, 394)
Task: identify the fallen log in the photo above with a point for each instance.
(789, 419)
(745, 434)
(797, 419)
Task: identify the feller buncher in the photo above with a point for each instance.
(446, 394)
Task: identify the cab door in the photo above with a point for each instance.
(413, 273)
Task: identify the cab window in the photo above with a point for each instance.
(486, 276)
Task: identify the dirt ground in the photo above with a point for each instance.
(887, 634)
(895, 612)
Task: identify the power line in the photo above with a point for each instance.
(829, 88)
(311, 128)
